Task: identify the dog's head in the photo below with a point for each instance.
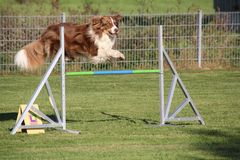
(106, 24)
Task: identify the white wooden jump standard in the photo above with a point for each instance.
(164, 109)
(61, 120)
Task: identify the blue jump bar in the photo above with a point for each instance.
(113, 72)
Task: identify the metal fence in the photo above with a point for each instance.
(192, 40)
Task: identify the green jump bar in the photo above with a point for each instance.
(112, 72)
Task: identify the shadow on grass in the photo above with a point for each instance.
(118, 117)
(114, 117)
(8, 116)
(223, 144)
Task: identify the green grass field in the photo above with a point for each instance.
(43, 7)
(118, 118)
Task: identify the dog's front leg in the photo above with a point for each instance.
(104, 55)
(101, 57)
(115, 54)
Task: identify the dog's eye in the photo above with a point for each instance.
(116, 24)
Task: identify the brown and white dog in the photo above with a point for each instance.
(93, 40)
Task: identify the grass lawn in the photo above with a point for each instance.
(118, 115)
(43, 7)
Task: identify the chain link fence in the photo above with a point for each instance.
(192, 40)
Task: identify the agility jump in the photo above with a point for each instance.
(61, 117)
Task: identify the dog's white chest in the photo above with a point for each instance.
(105, 42)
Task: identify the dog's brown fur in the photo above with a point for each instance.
(78, 41)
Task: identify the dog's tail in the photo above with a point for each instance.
(31, 57)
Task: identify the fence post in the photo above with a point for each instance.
(199, 38)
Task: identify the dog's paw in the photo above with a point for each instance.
(117, 55)
(121, 56)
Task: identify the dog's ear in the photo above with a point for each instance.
(96, 20)
(117, 17)
(104, 20)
